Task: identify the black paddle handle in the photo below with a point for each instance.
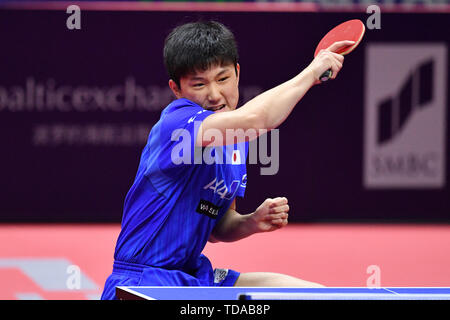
(326, 75)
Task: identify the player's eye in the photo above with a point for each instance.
(223, 79)
(197, 85)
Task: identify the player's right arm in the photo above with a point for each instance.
(269, 109)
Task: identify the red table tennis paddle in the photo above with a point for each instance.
(352, 30)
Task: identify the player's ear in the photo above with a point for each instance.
(238, 72)
(175, 89)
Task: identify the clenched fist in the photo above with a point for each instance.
(272, 214)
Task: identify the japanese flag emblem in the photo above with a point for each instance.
(236, 157)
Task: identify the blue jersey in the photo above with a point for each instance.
(179, 194)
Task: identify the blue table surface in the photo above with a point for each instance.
(231, 293)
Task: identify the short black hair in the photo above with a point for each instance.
(198, 46)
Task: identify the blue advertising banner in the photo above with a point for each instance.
(76, 107)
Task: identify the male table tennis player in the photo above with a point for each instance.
(174, 208)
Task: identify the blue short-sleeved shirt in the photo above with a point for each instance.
(179, 194)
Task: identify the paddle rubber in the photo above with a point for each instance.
(352, 30)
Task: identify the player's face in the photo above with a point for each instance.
(216, 89)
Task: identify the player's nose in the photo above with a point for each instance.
(214, 94)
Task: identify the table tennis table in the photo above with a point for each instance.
(264, 293)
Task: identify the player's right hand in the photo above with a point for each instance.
(328, 59)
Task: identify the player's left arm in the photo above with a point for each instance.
(271, 215)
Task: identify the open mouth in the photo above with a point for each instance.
(218, 108)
